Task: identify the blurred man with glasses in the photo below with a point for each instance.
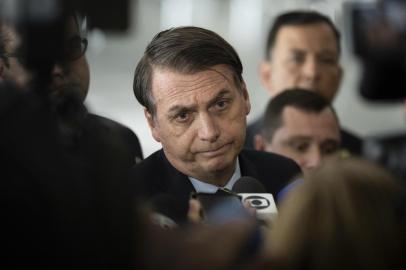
(69, 85)
(65, 194)
(70, 71)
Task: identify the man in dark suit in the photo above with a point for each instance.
(302, 51)
(190, 83)
(65, 197)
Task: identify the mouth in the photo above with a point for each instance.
(216, 151)
(67, 90)
(71, 87)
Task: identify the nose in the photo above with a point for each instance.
(311, 72)
(58, 75)
(57, 70)
(313, 159)
(208, 129)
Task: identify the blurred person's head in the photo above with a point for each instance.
(190, 83)
(11, 68)
(302, 51)
(301, 125)
(345, 215)
(69, 72)
(72, 71)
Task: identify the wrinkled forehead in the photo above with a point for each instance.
(171, 86)
(315, 34)
(294, 116)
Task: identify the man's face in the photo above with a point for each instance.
(65, 74)
(200, 121)
(70, 74)
(303, 57)
(306, 137)
(11, 68)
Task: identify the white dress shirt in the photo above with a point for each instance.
(204, 187)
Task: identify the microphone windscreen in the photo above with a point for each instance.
(247, 184)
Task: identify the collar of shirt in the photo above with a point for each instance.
(209, 188)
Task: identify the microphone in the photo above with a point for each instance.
(253, 192)
(164, 211)
(248, 184)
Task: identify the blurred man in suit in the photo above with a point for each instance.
(301, 125)
(302, 50)
(69, 84)
(65, 199)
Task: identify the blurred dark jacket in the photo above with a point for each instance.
(61, 209)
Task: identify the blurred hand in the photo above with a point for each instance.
(194, 214)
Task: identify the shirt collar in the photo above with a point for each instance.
(210, 188)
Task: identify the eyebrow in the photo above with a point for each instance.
(323, 51)
(223, 93)
(301, 138)
(178, 108)
(332, 141)
(293, 139)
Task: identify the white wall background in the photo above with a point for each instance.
(244, 23)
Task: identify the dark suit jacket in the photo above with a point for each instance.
(127, 136)
(157, 176)
(349, 141)
(61, 209)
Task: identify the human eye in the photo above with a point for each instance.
(75, 47)
(182, 117)
(330, 148)
(327, 59)
(222, 104)
(297, 57)
(300, 147)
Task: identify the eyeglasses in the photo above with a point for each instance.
(74, 48)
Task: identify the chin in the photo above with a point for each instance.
(218, 164)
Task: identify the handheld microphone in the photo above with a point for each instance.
(252, 191)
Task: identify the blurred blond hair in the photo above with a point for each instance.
(343, 216)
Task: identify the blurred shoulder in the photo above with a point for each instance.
(273, 170)
(262, 157)
(120, 131)
(109, 123)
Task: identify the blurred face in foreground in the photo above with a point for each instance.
(11, 68)
(72, 72)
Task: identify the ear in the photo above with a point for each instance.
(259, 142)
(152, 125)
(340, 73)
(265, 75)
(2, 67)
(247, 103)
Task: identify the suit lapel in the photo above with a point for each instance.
(247, 167)
(177, 184)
